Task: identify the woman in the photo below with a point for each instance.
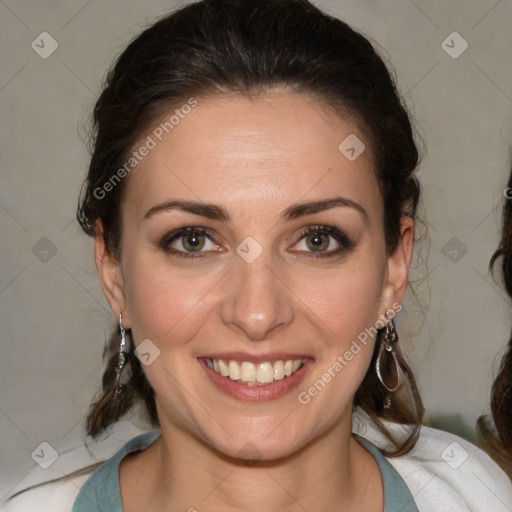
(252, 195)
(497, 437)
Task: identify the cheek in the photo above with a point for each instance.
(165, 306)
(345, 312)
(347, 301)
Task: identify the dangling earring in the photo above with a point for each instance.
(387, 364)
(122, 358)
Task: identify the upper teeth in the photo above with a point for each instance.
(261, 373)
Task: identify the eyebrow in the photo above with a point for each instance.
(215, 212)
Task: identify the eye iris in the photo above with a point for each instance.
(318, 241)
(193, 242)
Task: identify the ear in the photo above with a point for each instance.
(398, 265)
(111, 276)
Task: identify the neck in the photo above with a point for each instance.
(180, 472)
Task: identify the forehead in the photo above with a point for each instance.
(251, 152)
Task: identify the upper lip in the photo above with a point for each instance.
(255, 358)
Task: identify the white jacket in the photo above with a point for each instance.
(443, 472)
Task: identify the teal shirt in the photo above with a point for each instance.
(101, 491)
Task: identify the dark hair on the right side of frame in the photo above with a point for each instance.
(496, 435)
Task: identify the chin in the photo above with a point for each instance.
(266, 443)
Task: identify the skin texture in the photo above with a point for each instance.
(254, 158)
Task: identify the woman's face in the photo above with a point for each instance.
(251, 240)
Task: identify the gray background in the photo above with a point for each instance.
(53, 315)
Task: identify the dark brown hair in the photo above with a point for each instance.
(250, 47)
(497, 438)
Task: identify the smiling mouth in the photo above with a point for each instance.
(250, 374)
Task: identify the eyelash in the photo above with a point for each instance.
(345, 243)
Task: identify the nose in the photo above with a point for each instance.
(257, 301)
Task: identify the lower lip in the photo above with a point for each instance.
(246, 393)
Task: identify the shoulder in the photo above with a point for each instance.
(102, 488)
(56, 487)
(444, 471)
(54, 496)
(443, 466)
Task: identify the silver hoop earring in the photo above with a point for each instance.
(387, 366)
(122, 358)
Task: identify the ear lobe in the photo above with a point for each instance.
(399, 263)
(111, 277)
